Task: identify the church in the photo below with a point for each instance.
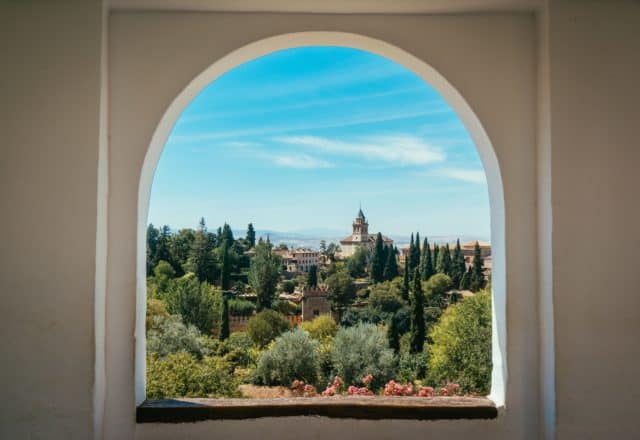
(360, 237)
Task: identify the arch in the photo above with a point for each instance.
(375, 46)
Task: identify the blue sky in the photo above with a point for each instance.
(298, 139)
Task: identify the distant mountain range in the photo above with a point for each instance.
(312, 237)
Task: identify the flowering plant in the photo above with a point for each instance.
(301, 389)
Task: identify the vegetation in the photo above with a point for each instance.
(266, 326)
(292, 356)
(263, 274)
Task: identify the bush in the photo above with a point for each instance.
(385, 298)
(170, 335)
(199, 303)
(286, 307)
(155, 308)
(266, 326)
(461, 350)
(241, 307)
(292, 357)
(238, 350)
(182, 375)
(361, 350)
(436, 288)
(321, 327)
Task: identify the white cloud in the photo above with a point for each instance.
(394, 149)
(299, 161)
(465, 175)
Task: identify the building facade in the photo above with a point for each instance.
(360, 237)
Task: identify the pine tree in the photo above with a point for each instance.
(225, 268)
(200, 259)
(226, 236)
(427, 265)
(405, 282)
(393, 334)
(251, 235)
(377, 262)
(436, 258)
(391, 266)
(458, 266)
(477, 273)
(312, 279)
(224, 322)
(418, 330)
(465, 282)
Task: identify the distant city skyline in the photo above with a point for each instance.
(300, 138)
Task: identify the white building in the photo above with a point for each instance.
(360, 237)
(301, 259)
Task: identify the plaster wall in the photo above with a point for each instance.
(49, 129)
(595, 154)
(490, 60)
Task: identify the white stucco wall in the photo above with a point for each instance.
(49, 129)
(489, 59)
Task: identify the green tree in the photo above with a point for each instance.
(201, 261)
(406, 282)
(461, 349)
(427, 261)
(197, 302)
(342, 290)
(263, 274)
(357, 263)
(385, 298)
(266, 326)
(152, 245)
(361, 350)
(226, 236)
(393, 334)
(458, 266)
(312, 280)
(288, 286)
(225, 268)
(180, 246)
(437, 288)
(417, 257)
(321, 328)
(332, 250)
(465, 282)
(445, 260)
(251, 236)
(293, 356)
(436, 258)
(168, 334)
(377, 260)
(224, 321)
(163, 274)
(418, 332)
(391, 265)
(477, 274)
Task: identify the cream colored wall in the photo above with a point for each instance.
(489, 59)
(49, 101)
(595, 91)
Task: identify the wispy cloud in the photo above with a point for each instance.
(465, 175)
(299, 161)
(394, 149)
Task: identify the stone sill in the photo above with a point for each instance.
(349, 407)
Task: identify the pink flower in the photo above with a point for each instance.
(367, 379)
(338, 382)
(362, 391)
(329, 391)
(425, 392)
(309, 391)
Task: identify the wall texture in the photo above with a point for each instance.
(49, 115)
(594, 72)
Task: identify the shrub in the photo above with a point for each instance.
(155, 308)
(241, 307)
(385, 298)
(182, 375)
(238, 349)
(170, 335)
(361, 350)
(461, 350)
(285, 307)
(322, 327)
(292, 357)
(436, 288)
(266, 326)
(199, 303)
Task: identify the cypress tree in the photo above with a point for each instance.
(377, 262)
(393, 335)
(312, 280)
(224, 323)
(225, 268)
(418, 330)
(427, 266)
(458, 267)
(477, 274)
(418, 255)
(226, 236)
(446, 259)
(465, 282)
(391, 265)
(251, 235)
(409, 260)
(405, 282)
(436, 259)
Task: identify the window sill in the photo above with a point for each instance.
(368, 408)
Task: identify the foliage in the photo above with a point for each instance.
(342, 290)
(182, 375)
(427, 261)
(263, 274)
(198, 303)
(288, 286)
(418, 330)
(477, 273)
(405, 282)
(393, 335)
(378, 260)
(286, 307)
(241, 307)
(461, 349)
(201, 260)
(224, 321)
(312, 279)
(412, 366)
(391, 265)
(357, 263)
(361, 350)
(321, 327)
(251, 235)
(385, 298)
(292, 356)
(437, 287)
(238, 350)
(170, 335)
(225, 268)
(155, 308)
(458, 265)
(266, 326)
